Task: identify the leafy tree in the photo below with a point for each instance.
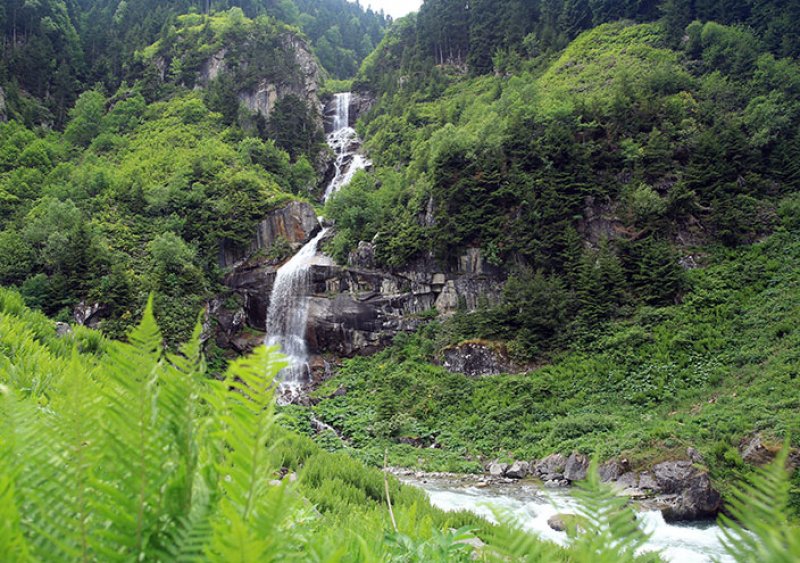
(16, 258)
(85, 118)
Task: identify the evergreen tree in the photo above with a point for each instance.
(600, 287)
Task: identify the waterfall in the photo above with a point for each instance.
(342, 117)
(287, 316)
(345, 143)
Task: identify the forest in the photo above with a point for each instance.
(609, 190)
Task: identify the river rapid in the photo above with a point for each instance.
(696, 542)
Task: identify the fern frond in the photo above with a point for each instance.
(760, 530)
(256, 518)
(13, 545)
(190, 542)
(607, 530)
(131, 493)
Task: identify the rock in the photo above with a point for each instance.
(264, 96)
(88, 314)
(295, 224)
(556, 483)
(213, 67)
(694, 495)
(564, 522)
(341, 391)
(351, 310)
(551, 468)
(599, 222)
(673, 476)
(629, 480)
(477, 358)
(412, 441)
(694, 455)
(557, 523)
(611, 470)
(647, 482)
(518, 470)
(471, 262)
(576, 467)
(63, 329)
(754, 452)
(363, 256)
(498, 469)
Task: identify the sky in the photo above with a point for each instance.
(395, 8)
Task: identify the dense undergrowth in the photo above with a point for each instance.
(707, 373)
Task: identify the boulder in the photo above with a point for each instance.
(576, 467)
(89, 314)
(498, 469)
(629, 480)
(694, 455)
(518, 470)
(647, 482)
(611, 470)
(556, 483)
(694, 496)
(551, 468)
(477, 359)
(63, 329)
(569, 523)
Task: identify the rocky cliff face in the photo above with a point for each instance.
(305, 84)
(294, 223)
(296, 72)
(355, 309)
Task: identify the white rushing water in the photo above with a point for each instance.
(346, 144)
(532, 507)
(287, 316)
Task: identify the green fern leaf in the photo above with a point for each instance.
(760, 530)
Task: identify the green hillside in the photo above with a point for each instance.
(602, 197)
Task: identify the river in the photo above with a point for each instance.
(532, 506)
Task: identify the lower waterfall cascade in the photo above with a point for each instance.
(287, 315)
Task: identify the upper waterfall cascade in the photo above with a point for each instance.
(287, 316)
(346, 145)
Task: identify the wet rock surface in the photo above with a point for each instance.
(352, 310)
(680, 489)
